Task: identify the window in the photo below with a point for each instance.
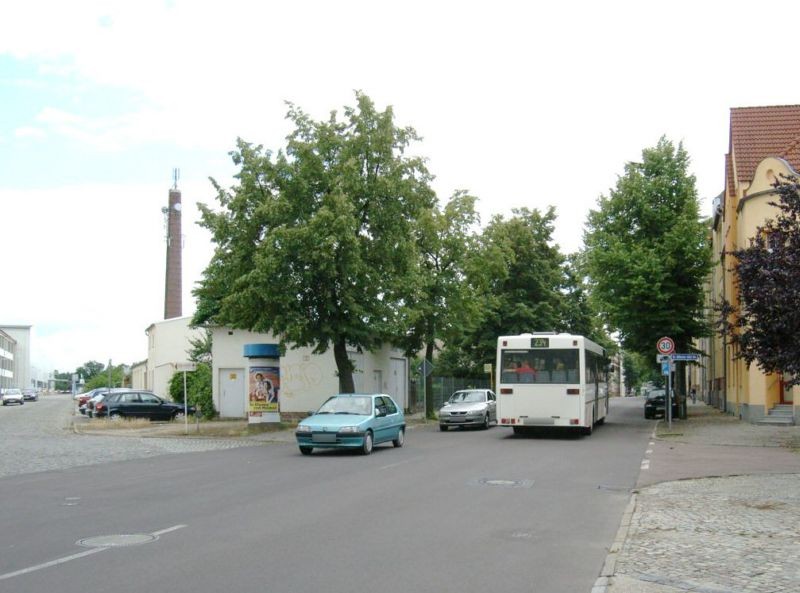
(149, 398)
(553, 366)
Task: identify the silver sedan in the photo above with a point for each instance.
(469, 407)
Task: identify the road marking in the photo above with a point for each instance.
(395, 464)
(77, 556)
(17, 573)
(646, 464)
(648, 452)
(168, 529)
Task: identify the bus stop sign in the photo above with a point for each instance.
(665, 345)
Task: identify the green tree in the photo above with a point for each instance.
(89, 370)
(198, 389)
(443, 304)
(102, 378)
(316, 244)
(647, 253)
(522, 278)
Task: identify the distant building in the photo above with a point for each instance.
(20, 366)
(8, 351)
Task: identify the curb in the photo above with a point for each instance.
(609, 566)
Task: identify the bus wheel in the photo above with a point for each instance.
(518, 430)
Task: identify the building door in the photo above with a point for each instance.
(377, 381)
(231, 393)
(398, 387)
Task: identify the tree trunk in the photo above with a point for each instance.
(343, 366)
(429, 381)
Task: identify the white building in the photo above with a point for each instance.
(21, 367)
(306, 379)
(168, 344)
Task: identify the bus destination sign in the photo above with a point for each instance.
(540, 342)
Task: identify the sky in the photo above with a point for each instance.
(520, 104)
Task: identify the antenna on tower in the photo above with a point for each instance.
(176, 174)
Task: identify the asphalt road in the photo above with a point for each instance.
(458, 511)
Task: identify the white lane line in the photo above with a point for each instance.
(168, 529)
(648, 452)
(646, 464)
(17, 573)
(395, 464)
(89, 552)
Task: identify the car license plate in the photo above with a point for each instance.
(324, 437)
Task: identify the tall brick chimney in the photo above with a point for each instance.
(173, 285)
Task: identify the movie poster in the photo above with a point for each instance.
(264, 391)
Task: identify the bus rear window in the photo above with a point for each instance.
(555, 366)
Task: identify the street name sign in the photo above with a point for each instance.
(685, 357)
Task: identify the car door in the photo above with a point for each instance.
(491, 400)
(381, 424)
(150, 407)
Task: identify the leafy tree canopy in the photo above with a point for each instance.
(647, 253)
(316, 243)
(765, 328)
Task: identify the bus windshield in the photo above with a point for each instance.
(546, 366)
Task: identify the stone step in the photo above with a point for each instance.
(783, 407)
(780, 413)
(776, 420)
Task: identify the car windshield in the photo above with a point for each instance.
(13, 391)
(467, 397)
(656, 393)
(360, 406)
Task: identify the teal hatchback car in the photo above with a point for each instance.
(352, 421)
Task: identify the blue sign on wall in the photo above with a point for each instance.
(262, 351)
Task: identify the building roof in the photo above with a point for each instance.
(760, 132)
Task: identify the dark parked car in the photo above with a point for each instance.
(138, 404)
(30, 395)
(656, 404)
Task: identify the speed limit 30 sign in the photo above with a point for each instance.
(665, 345)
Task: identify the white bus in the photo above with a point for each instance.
(553, 380)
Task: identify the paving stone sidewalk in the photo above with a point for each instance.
(736, 532)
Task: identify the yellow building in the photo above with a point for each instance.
(764, 143)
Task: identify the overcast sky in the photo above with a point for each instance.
(520, 105)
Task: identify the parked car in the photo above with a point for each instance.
(137, 404)
(12, 395)
(97, 395)
(656, 404)
(469, 407)
(30, 395)
(352, 421)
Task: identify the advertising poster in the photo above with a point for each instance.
(264, 385)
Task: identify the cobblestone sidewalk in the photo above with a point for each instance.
(714, 535)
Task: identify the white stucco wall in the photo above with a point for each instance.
(308, 379)
(168, 344)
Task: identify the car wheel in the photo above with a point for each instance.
(178, 415)
(485, 424)
(442, 427)
(115, 416)
(401, 438)
(366, 448)
(306, 450)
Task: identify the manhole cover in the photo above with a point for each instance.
(117, 541)
(501, 483)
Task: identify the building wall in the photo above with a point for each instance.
(21, 334)
(139, 376)
(747, 391)
(168, 345)
(8, 349)
(308, 379)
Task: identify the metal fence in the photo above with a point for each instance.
(442, 388)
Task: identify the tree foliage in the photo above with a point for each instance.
(316, 243)
(198, 389)
(765, 327)
(647, 252)
(526, 285)
(102, 378)
(89, 370)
